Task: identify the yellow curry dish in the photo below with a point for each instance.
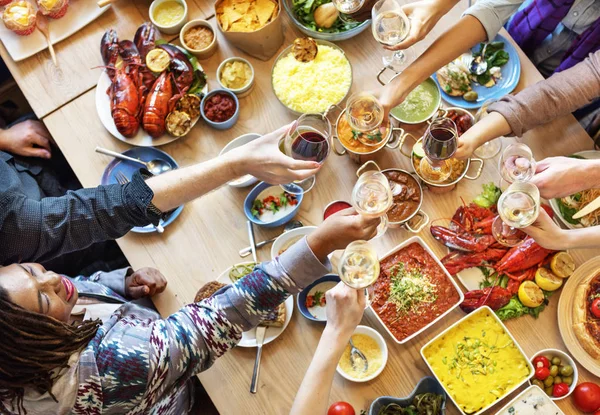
(477, 362)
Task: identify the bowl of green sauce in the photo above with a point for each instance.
(420, 105)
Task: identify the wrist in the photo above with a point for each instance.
(236, 162)
(443, 7)
(336, 335)
(4, 140)
(320, 245)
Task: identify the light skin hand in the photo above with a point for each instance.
(563, 176)
(491, 126)
(28, 138)
(145, 282)
(547, 233)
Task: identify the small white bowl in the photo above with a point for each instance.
(240, 92)
(200, 53)
(289, 238)
(563, 358)
(374, 334)
(173, 29)
(246, 180)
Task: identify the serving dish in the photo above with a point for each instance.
(459, 327)
(452, 283)
(334, 207)
(429, 82)
(79, 15)
(171, 29)
(425, 385)
(419, 215)
(544, 405)
(564, 358)
(249, 337)
(248, 179)
(208, 51)
(240, 92)
(225, 125)
(289, 238)
(323, 284)
(277, 190)
(109, 176)
(374, 334)
(511, 73)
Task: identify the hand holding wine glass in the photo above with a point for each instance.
(391, 27)
(517, 163)
(439, 143)
(518, 207)
(372, 197)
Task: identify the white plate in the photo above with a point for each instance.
(249, 337)
(554, 410)
(79, 14)
(287, 239)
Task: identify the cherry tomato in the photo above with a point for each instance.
(541, 361)
(596, 307)
(341, 408)
(541, 373)
(560, 389)
(586, 397)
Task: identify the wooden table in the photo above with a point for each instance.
(206, 238)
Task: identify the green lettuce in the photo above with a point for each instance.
(515, 308)
(489, 196)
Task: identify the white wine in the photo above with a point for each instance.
(364, 112)
(372, 195)
(359, 266)
(391, 27)
(519, 205)
(348, 6)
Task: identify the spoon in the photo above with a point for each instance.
(290, 225)
(155, 167)
(42, 25)
(357, 358)
(480, 67)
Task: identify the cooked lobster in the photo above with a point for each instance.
(180, 67)
(125, 103)
(494, 297)
(159, 103)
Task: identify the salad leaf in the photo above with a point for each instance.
(567, 212)
(500, 58)
(304, 10)
(515, 308)
(489, 196)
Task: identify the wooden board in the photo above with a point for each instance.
(566, 305)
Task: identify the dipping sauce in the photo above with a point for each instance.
(219, 107)
(235, 74)
(350, 138)
(198, 38)
(420, 104)
(169, 13)
(407, 195)
(369, 347)
(335, 207)
(532, 401)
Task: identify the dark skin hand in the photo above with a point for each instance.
(145, 282)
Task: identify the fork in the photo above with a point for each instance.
(122, 179)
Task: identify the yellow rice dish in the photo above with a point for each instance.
(370, 349)
(477, 362)
(312, 87)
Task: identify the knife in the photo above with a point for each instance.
(595, 204)
(252, 243)
(260, 339)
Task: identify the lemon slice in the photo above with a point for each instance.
(530, 294)
(546, 280)
(157, 60)
(562, 265)
(418, 150)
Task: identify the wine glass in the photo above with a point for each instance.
(372, 196)
(364, 113)
(307, 139)
(490, 148)
(346, 7)
(518, 207)
(390, 27)
(517, 163)
(439, 144)
(359, 267)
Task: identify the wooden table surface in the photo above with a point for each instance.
(207, 236)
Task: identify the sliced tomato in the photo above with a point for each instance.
(595, 308)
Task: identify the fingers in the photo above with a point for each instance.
(543, 165)
(361, 299)
(41, 130)
(41, 141)
(302, 174)
(302, 164)
(37, 152)
(139, 291)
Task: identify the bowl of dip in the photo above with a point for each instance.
(270, 206)
(420, 105)
(247, 179)
(373, 346)
(311, 300)
(198, 37)
(335, 207)
(169, 15)
(289, 238)
(237, 75)
(220, 109)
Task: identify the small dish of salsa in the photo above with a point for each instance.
(220, 109)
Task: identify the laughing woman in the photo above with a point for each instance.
(122, 357)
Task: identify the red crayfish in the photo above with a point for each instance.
(494, 297)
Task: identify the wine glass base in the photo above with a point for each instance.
(397, 61)
(435, 174)
(507, 235)
(300, 187)
(489, 149)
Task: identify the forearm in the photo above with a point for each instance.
(313, 396)
(491, 126)
(581, 238)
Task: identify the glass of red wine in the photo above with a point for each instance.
(439, 143)
(307, 139)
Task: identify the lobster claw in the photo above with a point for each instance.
(109, 47)
(145, 38)
(495, 297)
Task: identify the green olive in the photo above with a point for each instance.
(568, 380)
(566, 370)
(549, 381)
(538, 383)
(549, 390)
(554, 370)
(556, 360)
(557, 380)
(471, 96)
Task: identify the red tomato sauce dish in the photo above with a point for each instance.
(412, 291)
(219, 107)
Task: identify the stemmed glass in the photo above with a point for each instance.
(359, 267)
(390, 27)
(517, 163)
(491, 148)
(518, 207)
(307, 139)
(346, 7)
(364, 113)
(372, 196)
(439, 144)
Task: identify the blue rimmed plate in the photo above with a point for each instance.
(323, 284)
(128, 168)
(511, 72)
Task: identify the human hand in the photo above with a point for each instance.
(263, 159)
(28, 138)
(563, 176)
(345, 308)
(467, 144)
(338, 230)
(145, 282)
(547, 233)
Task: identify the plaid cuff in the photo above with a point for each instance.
(138, 197)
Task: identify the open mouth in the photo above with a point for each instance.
(69, 288)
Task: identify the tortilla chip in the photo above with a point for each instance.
(246, 15)
(264, 10)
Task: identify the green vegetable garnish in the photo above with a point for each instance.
(489, 197)
(515, 308)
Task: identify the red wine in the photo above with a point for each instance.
(310, 145)
(440, 143)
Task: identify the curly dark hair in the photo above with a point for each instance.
(33, 346)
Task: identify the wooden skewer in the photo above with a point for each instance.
(102, 3)
(42, 25)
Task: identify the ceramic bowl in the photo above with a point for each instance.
(287, 239)
(426, 384)
(240, 92)
(257, 190)
(208, 51)
(225, 125)
(246, 180)
(374, 334)
(563, 358)
(173, 29)
(301, 300)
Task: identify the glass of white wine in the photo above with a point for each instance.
(517, 163)
(518, 207)
(346, 7)
(359, 267)
(364, 113)
(390, 27)
(372, 197)
(492, 147)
